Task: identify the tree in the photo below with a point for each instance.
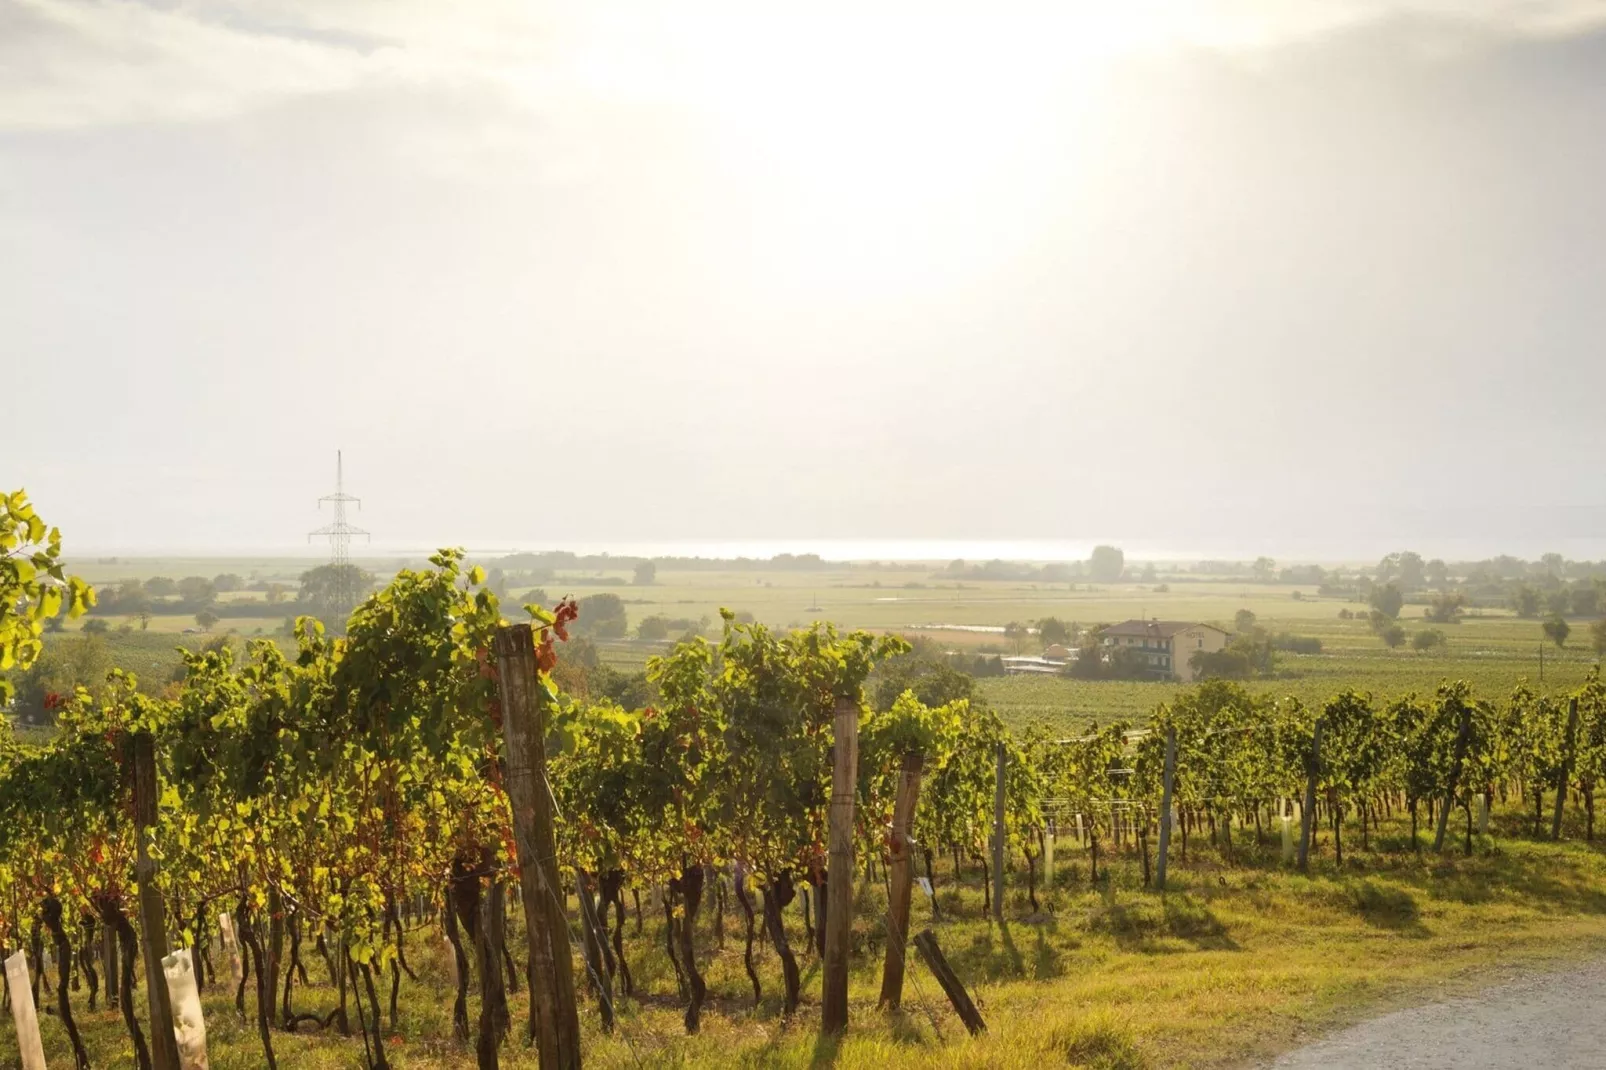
(1525, 600)
(1387, 599)
(646, 573)
(1016, 633)
(1106, 564)
(1243, 620)
(1446, 607)
(1597, 637)
(196, 590)
(227, 582)
(33, 585)
(206, 618)
(96, 626)
(932, 681)
(1412, 572)
(1265, 569)
(1428, 639)
(603, 616)
(334, 590)
(1556, 630)
(161, 587)
(1053, 632)
(654, 627)
(64, 667)
(1393, 636)
(1437, 573)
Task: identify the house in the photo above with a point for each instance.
(1166, 645)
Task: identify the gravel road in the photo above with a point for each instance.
(1551, 1021)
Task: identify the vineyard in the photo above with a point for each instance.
(327, 827)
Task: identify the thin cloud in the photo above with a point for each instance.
(68, 64)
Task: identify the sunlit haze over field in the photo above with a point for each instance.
(1310, 279)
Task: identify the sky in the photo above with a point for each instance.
(1223, 277)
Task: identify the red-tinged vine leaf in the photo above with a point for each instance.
(566, 612)
(546, 656)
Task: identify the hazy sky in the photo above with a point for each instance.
(1315, 277)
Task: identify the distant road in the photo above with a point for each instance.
(1550, 1021)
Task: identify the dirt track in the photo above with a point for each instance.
(1550, 1021)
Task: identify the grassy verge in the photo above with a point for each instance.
(1234, 963)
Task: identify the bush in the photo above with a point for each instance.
(1393, 636)
(1297, 644)
(1227, 664)
(1428, 639)
(653, 627)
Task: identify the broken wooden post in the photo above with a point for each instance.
(926, 944)
(552, 1006)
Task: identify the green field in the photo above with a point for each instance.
(1491, 648)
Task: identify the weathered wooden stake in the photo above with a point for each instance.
(1307, 809)
(999, 836)
(901, 880)
(552, 1004)
(1566, 772)
(1165, 805)
(23, 1012)
(839, 876)
(926, 944)
(1048, 858)
(1461, 738)
(152, 917)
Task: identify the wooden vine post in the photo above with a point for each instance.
(555, 1020)
(902, 880)
(1566, 772)
(998, 836)
(1307, 810)
(1165, 805)
(152, 918)
(1461, 738)
(839, 875)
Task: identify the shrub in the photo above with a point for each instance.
(1428, 639)
(1297, 644)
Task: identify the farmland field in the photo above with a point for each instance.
(1491, 648)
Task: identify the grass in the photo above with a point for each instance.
(1233, 964)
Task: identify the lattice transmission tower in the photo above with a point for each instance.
(344, 593)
